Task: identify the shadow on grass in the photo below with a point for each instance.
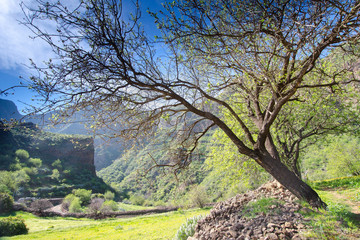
(9, 214)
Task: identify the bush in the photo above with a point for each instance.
(41, 205)
(137, 199)
(84, 195)
(109, 206)
(198, 197)
(187, 229)
(95, 205)
(67, 201)
(36, 162)
(4, 188)
(11, 226)
(97, 195)
(6, 202)
(109, 195)
(75, 205)
(15, 166)
(57, 164)
(55, 174)
(22, 154)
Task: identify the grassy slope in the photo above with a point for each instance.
(342, 219)
(159, 226)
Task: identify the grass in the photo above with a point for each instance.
(262, 205)
(342, 182)
(339, 220)
(130, 207)
(335, 223)
(157, 226)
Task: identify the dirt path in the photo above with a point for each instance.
(56, 209)
(354, 205)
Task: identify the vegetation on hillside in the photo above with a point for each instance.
(29, 167)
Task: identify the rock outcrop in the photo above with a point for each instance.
(8, 110)
(233, 219)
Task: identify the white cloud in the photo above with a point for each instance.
(16, 46)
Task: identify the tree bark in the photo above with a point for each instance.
(289, 180)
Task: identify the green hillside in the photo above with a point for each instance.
(134, 172)
(41, 164)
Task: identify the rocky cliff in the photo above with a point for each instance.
(8, 110)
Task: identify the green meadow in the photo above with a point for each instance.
(157, 226)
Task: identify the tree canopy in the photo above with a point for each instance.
(247, 61)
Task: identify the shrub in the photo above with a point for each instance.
(97, 195)
(55, 174)
(36, 162)
(137, 199)
(75, 205)
(15, 166)
(109, 195)
(6, 202)
(83, 194)
(11, 226)
(198, 197)
(67, 201)
(4, 188)
(41, 205)
(29, 171)
(109, 206)
(22, 154)
(95, 205)
(57, 164)
(187, 229)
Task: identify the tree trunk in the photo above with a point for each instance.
(289, 180)
(296, 169)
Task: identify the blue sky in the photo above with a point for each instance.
(16, 48)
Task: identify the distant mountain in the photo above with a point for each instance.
(8, 110)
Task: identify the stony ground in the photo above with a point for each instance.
(235, 219)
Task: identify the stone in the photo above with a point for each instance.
(272, 225)
(296, 237)
(300, 226)
(228, 223)
(233, 233)
(273, 236)
(288, 225)
(307, 210)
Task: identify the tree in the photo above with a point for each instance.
(55, 174)
(312, 115)
(22, 155)
(263, 52)
(36, 162)
(343, 156)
